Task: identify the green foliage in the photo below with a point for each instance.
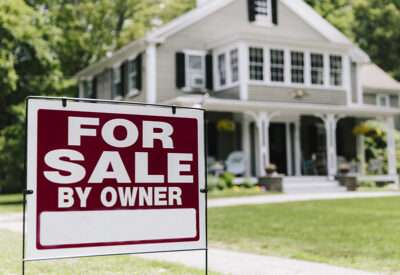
(366, 183)
(228, 178)
(212, 182)
(247, 183)
(221, 185)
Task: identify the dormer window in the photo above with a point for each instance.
(263, 12)
(191, 66)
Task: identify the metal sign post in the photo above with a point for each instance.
(113, 178)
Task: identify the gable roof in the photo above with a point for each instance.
(299, 7)
(374, 78)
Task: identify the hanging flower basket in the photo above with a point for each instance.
(361, 130)
(226, 125)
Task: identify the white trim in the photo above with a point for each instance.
(346, 77)
(297, 147)
(289, 168)
(202, 55)
(360, 95)
(151, 71)
(243, 54)
(378, 100)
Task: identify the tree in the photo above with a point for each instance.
(28, 66)
(377, 30)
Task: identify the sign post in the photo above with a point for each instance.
(117, 178)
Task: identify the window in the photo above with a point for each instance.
(263, 12)
(382, 100)
(88, 89)
(297, 62)
(256, 63)
(234, 65)
(317, 69)
(277, 66)
(132, 75)
(335, 70)
(222, 69)
(116, 82)
(196, 71)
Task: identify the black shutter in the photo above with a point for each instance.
(180, 69)
(251, 10)
(93, 93)
(209, 72)
(275, 12)
(139, 72)
(124, 76)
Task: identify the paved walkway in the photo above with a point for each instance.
(297, 197)
(239, 263)
(231, 262)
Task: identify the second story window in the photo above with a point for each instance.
(335, 62)
(277, 66)
(263, 12)
(222, 69)
(196, 71)
(256, 63)
(90, 88)
(317, 69)
(116, 82)
(382, 100)
(297, 69)
(132, 74)
(234, 65)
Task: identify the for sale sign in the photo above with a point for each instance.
(113, 178)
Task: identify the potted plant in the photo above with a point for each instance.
(270, 169)
(344, 168)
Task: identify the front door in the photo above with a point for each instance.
(277, 146)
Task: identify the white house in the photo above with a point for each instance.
(290, 82)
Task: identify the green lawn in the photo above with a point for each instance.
(10, 262)
(242, 192)
(358, 233)
(11, 203)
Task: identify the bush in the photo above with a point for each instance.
(247, 184)
(366, 183)
(212, 182)
(221, 185)
(228, 177)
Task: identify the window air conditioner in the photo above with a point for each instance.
(197, 81)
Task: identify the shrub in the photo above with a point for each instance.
(366, 183)
(212, 182)
(221, 185)
(228, 177)
(247, 183)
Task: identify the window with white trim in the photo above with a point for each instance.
(317, 69)
(195, 70)
(132, 75)
(234, 65)
(116, 82)
(263, 10)
(297, 67)
(383, 100)
(335, 65)
(256, 63)
(277, 66)
(222, 69)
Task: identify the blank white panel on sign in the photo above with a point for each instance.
(62, 228)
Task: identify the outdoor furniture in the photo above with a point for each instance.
(375, 165)
(236, 163)
(309, 167)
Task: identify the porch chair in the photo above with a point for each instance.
(236, 163)
(308, 167)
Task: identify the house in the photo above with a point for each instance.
(286, 82)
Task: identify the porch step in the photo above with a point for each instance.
(322, 186)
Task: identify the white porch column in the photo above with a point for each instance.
(246, 143)
(391, 146)
(151, 70)
(361, 152)
(330, 121)
(297, 146)
(263, 122)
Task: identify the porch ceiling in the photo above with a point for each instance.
(228, 105)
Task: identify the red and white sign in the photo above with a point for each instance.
(113, 178)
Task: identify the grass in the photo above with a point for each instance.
(357, 233)
(11, 203)
(242, 192)
(10, 262)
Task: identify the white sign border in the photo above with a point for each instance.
(36, 104)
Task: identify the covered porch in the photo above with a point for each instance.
(301, 139)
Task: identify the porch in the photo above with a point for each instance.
(301, 139)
